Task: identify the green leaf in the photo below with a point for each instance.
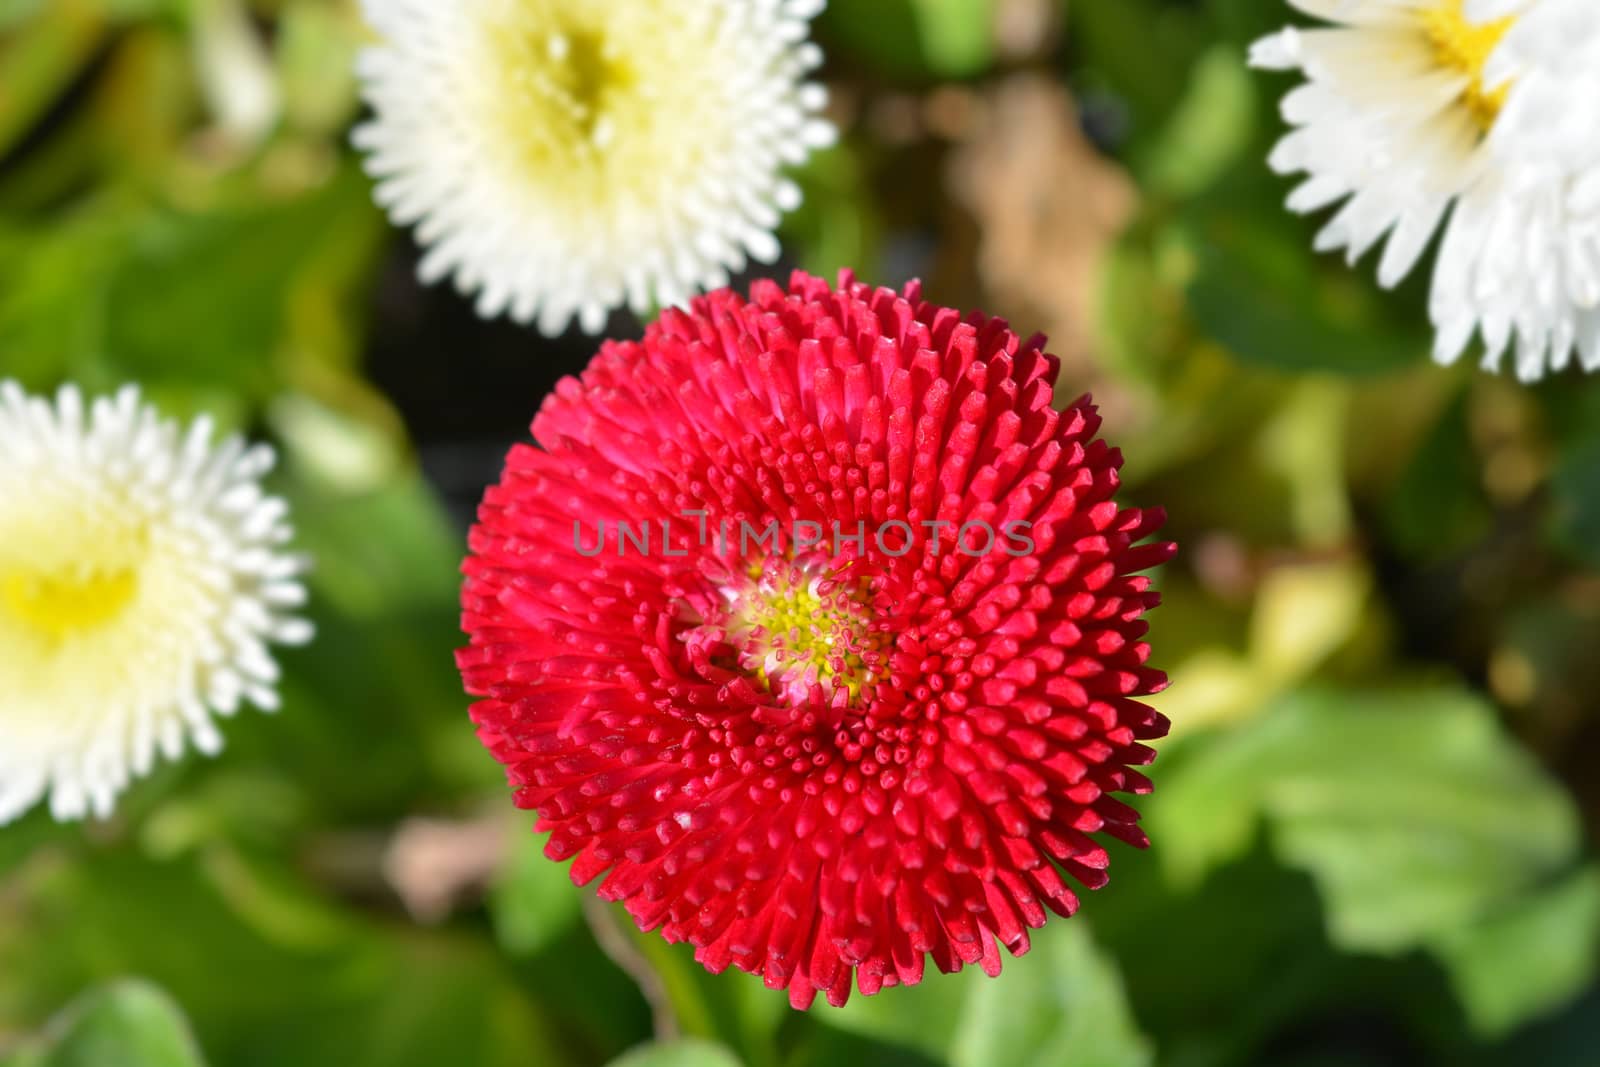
(1571, 1039)
(824, 1045)
(914, 39)
(1069, 1007)
(355, 451)
(1438, 506)
(231, 298)
(534, 902)
(1535, 956)
(128, 1024)
(384, 592)
(957, 35)
(1412, 811)
(687, 1053)
(1210, 129)
(923, 1018)
(1240, 22)
(35, 831)
(315, 54)
(53, 285)
(1576, 490)
(379, 550)
(218, 296)
(835, 226)
(1061, 1002)
(360, 992)
(732, 1007)
(1141, 313)
(40, 56)
(1141, 53)
(880, 32)
(1252, 931)
(1259, 290)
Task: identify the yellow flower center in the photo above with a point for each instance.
(564, 86)
(1465, 47)
(56, 605)
(801, 628)
(591, 105)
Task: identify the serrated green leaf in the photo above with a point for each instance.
(1413, 811)
(1522, 963)
(1061, 1002)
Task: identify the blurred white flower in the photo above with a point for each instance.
(142, 577)
(1412, 108)
(562, 157)
(235, 71)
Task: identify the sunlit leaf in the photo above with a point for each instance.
(129, 1024)
(39, 58)
(1062, 1002)
(1068, 1007)
(534, 901)
(914, 38)
(957, 35)
(210, 296)
(1534, 956)
(686, 1053)
(1411, 809)
(1210, 128)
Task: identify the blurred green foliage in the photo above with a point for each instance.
(1369, 825)
(125, 1022)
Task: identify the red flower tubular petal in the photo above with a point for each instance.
(819, 762)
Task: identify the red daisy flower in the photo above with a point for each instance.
(818, 628)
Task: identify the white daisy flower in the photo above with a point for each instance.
(1523, 259)
(1412, 108)
(142, 578)
(562, 157)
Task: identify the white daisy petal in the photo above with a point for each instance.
(560, 158)
(141, 578)
(1479, 115)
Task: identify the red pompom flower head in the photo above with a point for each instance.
(815, 629)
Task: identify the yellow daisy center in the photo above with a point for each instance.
(67, 573)
(799, 627)
(564, 86)
(590, 105)
(56, 605)
(1465, 47)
